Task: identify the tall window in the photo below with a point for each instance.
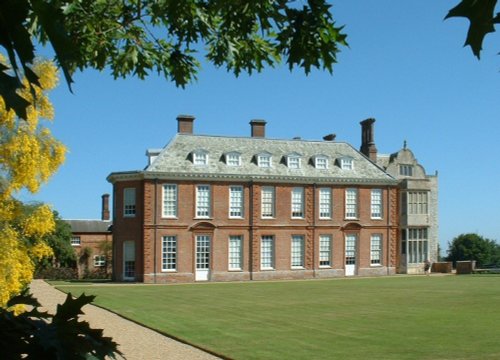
(235, 252)
(235, 201)
(325, 203)
(75, 241)
(325, 250)
(297, 251)
(169, 253)
(200, 157)
(406, 170)
(351, 204)
(233, 159)
(170, 200)
(264, 160)
(129, 202)
(99, 260)
(417, 245)
(203, 201)
(298, 202)
(267, 202)
(376, 204)
(321, 162)
(417, 202)
(376, 249)
(267, 252)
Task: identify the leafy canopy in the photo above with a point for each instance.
(137, 37)
(474, 247)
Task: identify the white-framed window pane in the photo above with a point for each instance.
(376, 249)
(203, 201)
(264, 161)
(376, 204)
(346, 163)
(350, 249)
(233, 159)
(169, 253)
(267, 202)
(235, 252)
(325, 250)
(417, 202)
(418, 244)
(297, 251)
(76, 241)
(298, 202)
(351, 203)
(321, 163)
(235, 201)
(293, 162)
(200, 158)
(99, 260)
(325, 203)
(267, 252)
(129, 202)
(169, 200)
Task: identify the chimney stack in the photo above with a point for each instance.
(105, 207)
(368, 147)
(185, 124)
(258, 128)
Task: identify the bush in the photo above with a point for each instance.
(57, 274)
(97, 273)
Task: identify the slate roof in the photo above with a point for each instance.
(89, 226)
(175, 161)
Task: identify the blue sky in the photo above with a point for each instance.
(405, 66)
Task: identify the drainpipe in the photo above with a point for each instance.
(314, 230)
(250, 233)
(389, 228)
(155, 214)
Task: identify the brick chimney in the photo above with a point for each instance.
(185, 124)
(105, 207)
(368, 147)
(258, 128)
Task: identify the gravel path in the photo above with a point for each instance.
(135, 341)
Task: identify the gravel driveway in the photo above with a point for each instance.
(135, 341)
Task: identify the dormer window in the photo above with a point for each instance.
(200, 157)
(233, 159)
(406, 170)
(293, 161)
(264, 160)
(321, 162)
(347, 163)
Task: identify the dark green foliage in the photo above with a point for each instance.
(60, 242)
(39, 335)
(165, 36)
(52, 273)
(474, 247)
(481, 14)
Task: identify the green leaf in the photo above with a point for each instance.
(480, 15)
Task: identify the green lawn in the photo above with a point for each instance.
(419, 317)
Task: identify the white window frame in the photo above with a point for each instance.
(170, 201)
(233, 159)
(417, 245)
(376, 250)
(235, 252)
(297, 252)
(200, 157)
(76, 241)
(347, 163)
(99, 260)
(203, 201)
(325, 251)
(351, 203)
(129, 202)
(169, 253)
(297, 202)
(376, 204)
(267, 202)
(325, 203)
(267, 251)
(293, 161)
(321, 162)
(264, 160)
(236, 202)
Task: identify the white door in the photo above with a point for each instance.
(129, 260)
(202, 258)
(350, 254)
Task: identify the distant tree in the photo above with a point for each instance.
(474, 247)
(60, 242)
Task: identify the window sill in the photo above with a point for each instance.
(203, 218)
(325, 266)
(170, 218)
(267, 269)
(168, 271)
(375, 265)
(268, 218)
(297, 218)
(297, 268)
(325, 218)
(377, 218)
(236, 218)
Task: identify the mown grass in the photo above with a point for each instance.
(419, 317)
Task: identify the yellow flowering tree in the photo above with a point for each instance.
(29, 155)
